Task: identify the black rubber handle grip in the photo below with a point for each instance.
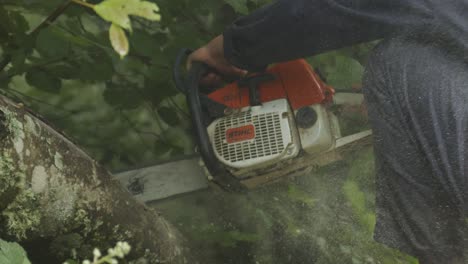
(220, 175)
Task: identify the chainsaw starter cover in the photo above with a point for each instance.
(255, 136)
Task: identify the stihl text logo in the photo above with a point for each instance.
(238, 134)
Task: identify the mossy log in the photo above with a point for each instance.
(55, 199)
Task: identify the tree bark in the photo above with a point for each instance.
(55, 198)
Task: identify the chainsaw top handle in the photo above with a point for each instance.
(190, 87)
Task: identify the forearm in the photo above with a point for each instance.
(289, 29)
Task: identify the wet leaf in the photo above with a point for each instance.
(118, 11)
(44, 81)
(12, 24)
(4, 82)
(18, 59)
(63, 71)
(146, 44)
(157, 90)
(52, 43)
(118, 40)
(97, 68)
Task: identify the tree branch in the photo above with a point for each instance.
(82, 3)
(57, 190)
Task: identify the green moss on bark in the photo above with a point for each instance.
(10, 180)
(22, 216)
(19, 206)
(56, 191)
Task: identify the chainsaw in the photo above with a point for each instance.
(251, 132)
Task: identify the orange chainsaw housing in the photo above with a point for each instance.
(295, 81)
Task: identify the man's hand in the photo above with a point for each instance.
(212, 54)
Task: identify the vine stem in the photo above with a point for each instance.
(83, 3)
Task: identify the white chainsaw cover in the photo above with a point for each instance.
(322, 135)
(256, 136)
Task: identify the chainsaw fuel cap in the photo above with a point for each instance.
(306, 117)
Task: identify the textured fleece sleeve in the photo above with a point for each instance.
(290, 29)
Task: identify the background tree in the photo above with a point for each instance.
(58, 202)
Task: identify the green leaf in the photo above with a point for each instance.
(4, 82)
(131, 67)
(12, 253)
(12, 24)
(118, 40)
(43, 81)
(187, 35)
(98, 67)
(169, 115)
(63, 71)
(78, 40)
(18, 59)
(240, 6)
(158, 89)
(52, 43)
(146, 44)
(118, 11)
(160, 75)
(75, 11)
(144, 9)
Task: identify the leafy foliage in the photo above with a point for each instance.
(43, 80)
(118, 11)
(69, 71)
(118, 40)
